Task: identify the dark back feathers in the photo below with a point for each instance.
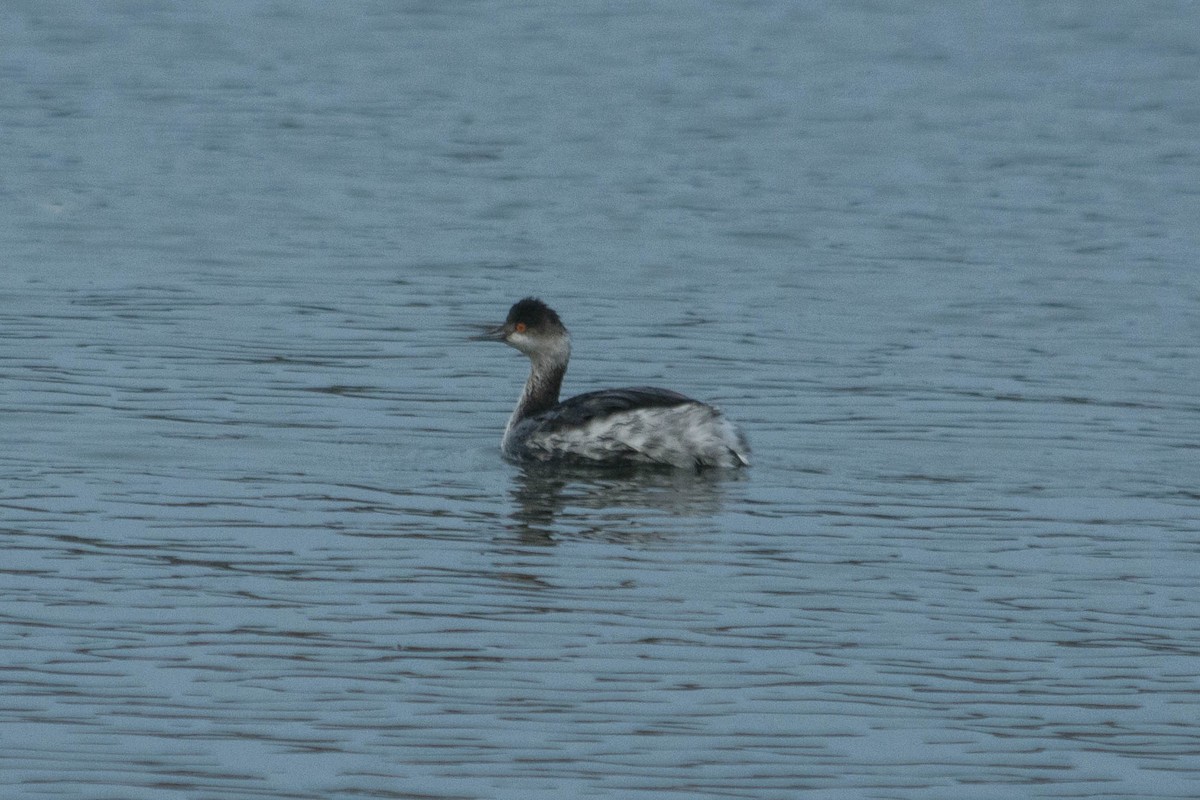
(590, 406)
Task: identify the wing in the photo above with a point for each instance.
(591, 406)
(606, 426)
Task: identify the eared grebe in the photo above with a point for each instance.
(640, 424)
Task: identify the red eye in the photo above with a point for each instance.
(519, 327)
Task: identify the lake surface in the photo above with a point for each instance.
(941, 264)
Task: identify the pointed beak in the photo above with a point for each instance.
(491, 334)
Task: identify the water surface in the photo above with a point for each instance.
(941, 265)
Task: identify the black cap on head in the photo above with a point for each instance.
(534, 313)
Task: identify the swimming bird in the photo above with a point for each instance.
(635, 425)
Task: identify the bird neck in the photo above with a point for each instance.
(545, 379)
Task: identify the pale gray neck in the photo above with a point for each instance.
(546, 371)
(541, 388)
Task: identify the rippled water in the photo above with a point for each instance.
(941, 265)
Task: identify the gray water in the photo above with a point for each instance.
(942, 264)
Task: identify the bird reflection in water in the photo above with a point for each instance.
(553, 501)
